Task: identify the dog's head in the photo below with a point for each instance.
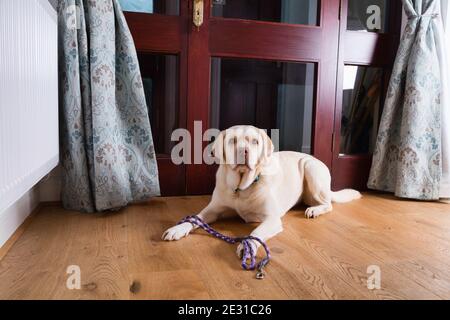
(242, 147)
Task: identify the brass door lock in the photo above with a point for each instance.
(198, 13)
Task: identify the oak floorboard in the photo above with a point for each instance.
(121, 254)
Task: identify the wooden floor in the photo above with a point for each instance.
(121, 255)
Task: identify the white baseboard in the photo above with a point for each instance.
(22, 185)
(15, 215)
(22, 200)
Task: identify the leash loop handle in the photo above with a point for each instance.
(248, 261)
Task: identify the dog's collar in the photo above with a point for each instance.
(254, 181)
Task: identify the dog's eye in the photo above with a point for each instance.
(255, 141)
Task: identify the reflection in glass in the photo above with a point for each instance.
(368, 15)
(286, 11)
(266, 94)
(361, 105)
(160, 74)
(169, 7)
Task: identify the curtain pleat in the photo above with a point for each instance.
(408, 155)
(107, 153)
(443, 50)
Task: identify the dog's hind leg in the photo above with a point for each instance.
(317, 192)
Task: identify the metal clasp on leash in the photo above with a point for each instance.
(260, 274)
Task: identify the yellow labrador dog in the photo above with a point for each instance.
(261, 185)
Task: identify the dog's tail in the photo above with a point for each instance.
(345, 195)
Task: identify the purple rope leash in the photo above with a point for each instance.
(248, 254)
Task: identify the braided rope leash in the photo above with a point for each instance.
(248, 261)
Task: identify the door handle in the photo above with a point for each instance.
(198, 13)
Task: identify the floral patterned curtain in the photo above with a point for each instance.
(407, 157)
(107, 153)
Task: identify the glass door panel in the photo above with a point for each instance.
(266, 94)
(361, 108)
(286, 11)
(160, 77)
(368, 15)
(168, 7)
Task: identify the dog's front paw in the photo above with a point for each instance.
(311, 213)
(177, 232)
(240, 249)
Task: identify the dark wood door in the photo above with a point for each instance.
(366, 54)
(250, 55)
(276, 64)
(160, 33)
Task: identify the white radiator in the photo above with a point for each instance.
(28, 96)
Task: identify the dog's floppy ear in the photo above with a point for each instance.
(217, 149)
(268, 147)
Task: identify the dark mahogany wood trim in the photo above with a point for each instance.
(199, 62)
(326, 83)
(264, 40)
(368, 48)
(351, 171)
(171, 177)
(156, 32)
